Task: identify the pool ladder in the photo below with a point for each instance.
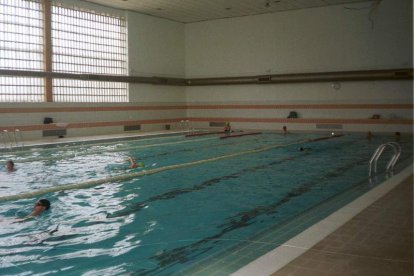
(390, 166)
(185, 125)
(11, 139)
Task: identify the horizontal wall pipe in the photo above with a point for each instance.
(391, 74)
(93, 77)
(200, 106)
(365, 75)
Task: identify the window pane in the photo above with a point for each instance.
(91, 42)
(87, 42)
(66, 90)
(21, 35)
(21, 48)
(21, 89)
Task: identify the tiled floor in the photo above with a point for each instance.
(378, 241)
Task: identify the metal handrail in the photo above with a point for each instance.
(390, 166)
(185, 125)
(3, 139)
(18, 135)
(6, 133)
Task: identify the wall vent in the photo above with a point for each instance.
(329, 126)
(217, 124)
(54, 132)
(264, 78)
(131, 128)
(402, 74)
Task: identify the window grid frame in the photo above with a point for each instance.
(88, 86)
(16, 33)
(112, 61)
(27, 94)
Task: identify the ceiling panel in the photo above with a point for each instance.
(188, 11)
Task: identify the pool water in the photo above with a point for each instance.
(166, 222)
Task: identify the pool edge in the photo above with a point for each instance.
(90, 139)
(296, 246)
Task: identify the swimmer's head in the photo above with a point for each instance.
(40, 206)
(301, 149)
(9, 165)
(43, 203)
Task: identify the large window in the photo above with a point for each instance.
(91, 43)
(21, 48)
(21, 35)
(82, 42)
(87, 42)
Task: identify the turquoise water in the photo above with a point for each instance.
(164, 223)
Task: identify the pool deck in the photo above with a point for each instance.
(376, 239)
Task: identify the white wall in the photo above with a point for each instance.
(312, 40)
(156, 48)
(325, 39)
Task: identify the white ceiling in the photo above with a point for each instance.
(188, 11)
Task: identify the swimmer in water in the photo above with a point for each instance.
(10, 166)
(134, 164)
(227, 128)
(397, 136)
(40, 206)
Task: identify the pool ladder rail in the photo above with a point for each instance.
(186, 125)
(11, 139)
(390, 166)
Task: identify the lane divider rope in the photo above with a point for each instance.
(123, 177)
(73, 155)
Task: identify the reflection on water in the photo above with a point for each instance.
(75, 227)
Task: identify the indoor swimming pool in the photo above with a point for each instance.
(193, 201)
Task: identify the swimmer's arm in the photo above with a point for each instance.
(133, 163)
(20, 220)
